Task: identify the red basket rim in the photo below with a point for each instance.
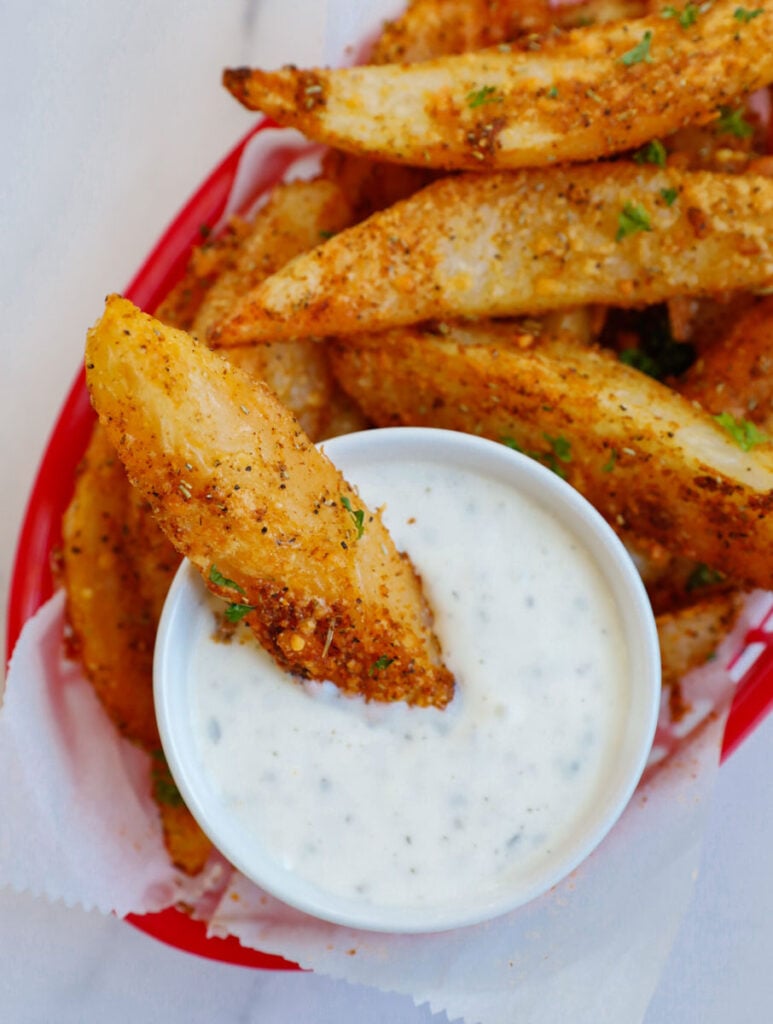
(32, 581)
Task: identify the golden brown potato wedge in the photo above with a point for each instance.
(734, 376)
(689, 636)
(589, 93)
(113, 627)
(266, 518)
(523, 242)
(207, 261)
(432, 28)
(117, 567)
(647, 458)
(188, 847)
(297, 216)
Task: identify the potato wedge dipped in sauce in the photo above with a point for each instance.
(269, 522)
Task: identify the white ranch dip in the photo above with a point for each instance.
(404, 806)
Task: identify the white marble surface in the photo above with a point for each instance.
(111, 114)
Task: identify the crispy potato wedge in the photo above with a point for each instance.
(432, 28)
(296, 217)
(647, 458)
(207, 261)
(113, 628)
(266, 518)
(188, 847)
(690, 635)
(734, 376)
(589, 93)
(672, 581)
(524, 242)
(117, 568)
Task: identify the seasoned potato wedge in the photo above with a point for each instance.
(188, 847)
(647, 458)
(524, 242)
(589, 93)
(689, 636)
(734, 376)
(267, 519)
(296, 216)
(113, 627)
(117, 567)
(432, 28)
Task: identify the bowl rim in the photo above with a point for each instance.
(481, 457)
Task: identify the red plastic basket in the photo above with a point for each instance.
(32, 580)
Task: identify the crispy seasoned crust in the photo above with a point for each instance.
(572, 96)
(522, 242)
(647, 458)
(266, 518)
(735, 374)
(428, 28)
(113, 626)
(690, 635)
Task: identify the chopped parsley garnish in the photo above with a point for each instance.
(631, 219)
(380, 664)
(165, 791)
(744, 15)
(686, 17)
(552, 92)
(703, 576)
(216, 577)
(732, 122)
(669, 195)
(640, 360)
(560, 451)
(486, 94)
(326, 234)
(560, 447)
(653, 153)
(235, 612)
(640, 52)
(357, 514)
(611, 462)
(745, 433)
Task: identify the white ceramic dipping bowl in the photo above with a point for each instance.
(376, 457)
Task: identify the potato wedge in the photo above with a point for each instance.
(524, 242)
(734, 376)
(113, 628)
(296, 216)
(690, 636)
(181, 305)
(590, 93)
(431, 28)
(266, 518)
(188, 847)
(117, 567)
(647, 458)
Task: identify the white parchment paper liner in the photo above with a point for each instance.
(78, 825)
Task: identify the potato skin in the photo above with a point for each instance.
(525, 242)
(562, 97)
(242, 492)
(644, 456)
